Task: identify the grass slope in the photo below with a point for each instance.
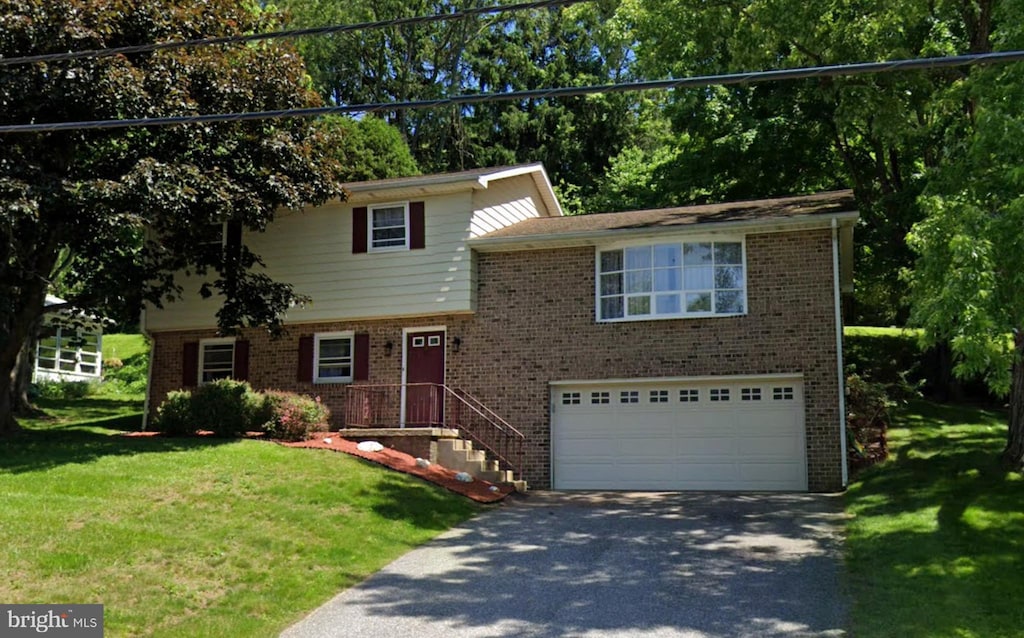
(935, 545)
(190, 537)
(124, 346)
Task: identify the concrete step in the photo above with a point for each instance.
(458, 455)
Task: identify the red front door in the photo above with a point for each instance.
(424, 360)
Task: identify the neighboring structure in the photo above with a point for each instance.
(69, 346)
(684, 348)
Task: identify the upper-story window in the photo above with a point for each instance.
(665, 280)
(388, 227)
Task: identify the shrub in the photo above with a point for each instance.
(126, 376)
(867, 421)
(63, 389)
(292, 417)
(226, 407)
(174, 416)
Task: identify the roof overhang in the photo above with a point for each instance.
(448, 183)
(610, 236)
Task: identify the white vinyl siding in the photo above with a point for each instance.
(333, 357)
(670, 279)
(311, 249)
(505, 203)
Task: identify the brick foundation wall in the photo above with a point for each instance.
(535, 324)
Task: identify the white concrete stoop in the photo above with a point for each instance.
(458, 455)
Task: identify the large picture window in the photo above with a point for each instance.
(680, 279)
(333, 357)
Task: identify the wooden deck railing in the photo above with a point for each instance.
(436, 405)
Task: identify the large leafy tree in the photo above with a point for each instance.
(968, 281)
(878, 134)
(116, 213)
(550, 48)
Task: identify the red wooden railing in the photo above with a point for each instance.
(436, 405)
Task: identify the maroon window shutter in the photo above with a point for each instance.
(359, 229)
(190, 364)
(417, 228)
(361, 369)
(242, 360)
(305, 373)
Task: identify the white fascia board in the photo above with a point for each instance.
(608, 235)
(540, 180)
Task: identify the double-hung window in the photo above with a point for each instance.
(667, 280)
(333, 357)
(216, 359)
(388, 227)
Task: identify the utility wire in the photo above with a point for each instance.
(860, 68)
(290, 33)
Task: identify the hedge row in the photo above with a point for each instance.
(894, 357)
(230, 408)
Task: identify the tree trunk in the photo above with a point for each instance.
(1013, 455)
(25, 366)
(8, 424)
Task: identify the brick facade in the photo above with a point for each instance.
(535, 324)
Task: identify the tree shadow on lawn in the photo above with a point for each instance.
(419, 502)
(39, 449)
(666, 564)
(944, 553)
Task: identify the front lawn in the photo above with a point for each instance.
(935, 543)
(196, 537)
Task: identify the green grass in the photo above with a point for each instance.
(123, 346)
(196, 537)
(873, 331)
(935, 543)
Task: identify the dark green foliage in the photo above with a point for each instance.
(174, 416)
(114, 214)
(369, 149)
(292, 417)
(63, 389)
(225, 407)
(867, 421)
(129, 377)
(893, 358)
(230, 408)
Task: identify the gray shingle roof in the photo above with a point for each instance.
(766, 210)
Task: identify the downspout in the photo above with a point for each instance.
(149, 368)
(840, 377)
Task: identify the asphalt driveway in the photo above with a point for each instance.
(611, 564)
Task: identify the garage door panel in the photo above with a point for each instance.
(752, 438)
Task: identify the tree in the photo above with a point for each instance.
(967, 284)
(878, 134)
(117, 213)
(369, 148)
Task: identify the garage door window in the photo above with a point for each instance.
(719, 394)
(629, 396)
(600, 397)
(659, 396)
(690, 395)
(570, 398)
(784, 393)
(686, 279)
(750, 394)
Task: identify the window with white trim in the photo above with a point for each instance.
(784, 393)
(68, 350)
(216, 359)
(333, 357)
(570, 398)
(388, 227)
(689, 395)
(659, 396)
(680, 279)
(629, 396)
(719, 394)
(750, 394)
(597, 398)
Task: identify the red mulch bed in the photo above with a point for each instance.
(479, 491)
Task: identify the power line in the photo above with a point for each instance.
(290, 33)
(836, 70)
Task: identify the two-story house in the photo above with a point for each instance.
(682, 348)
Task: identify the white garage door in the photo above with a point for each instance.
(708, 434)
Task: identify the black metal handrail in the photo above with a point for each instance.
(437, 405)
